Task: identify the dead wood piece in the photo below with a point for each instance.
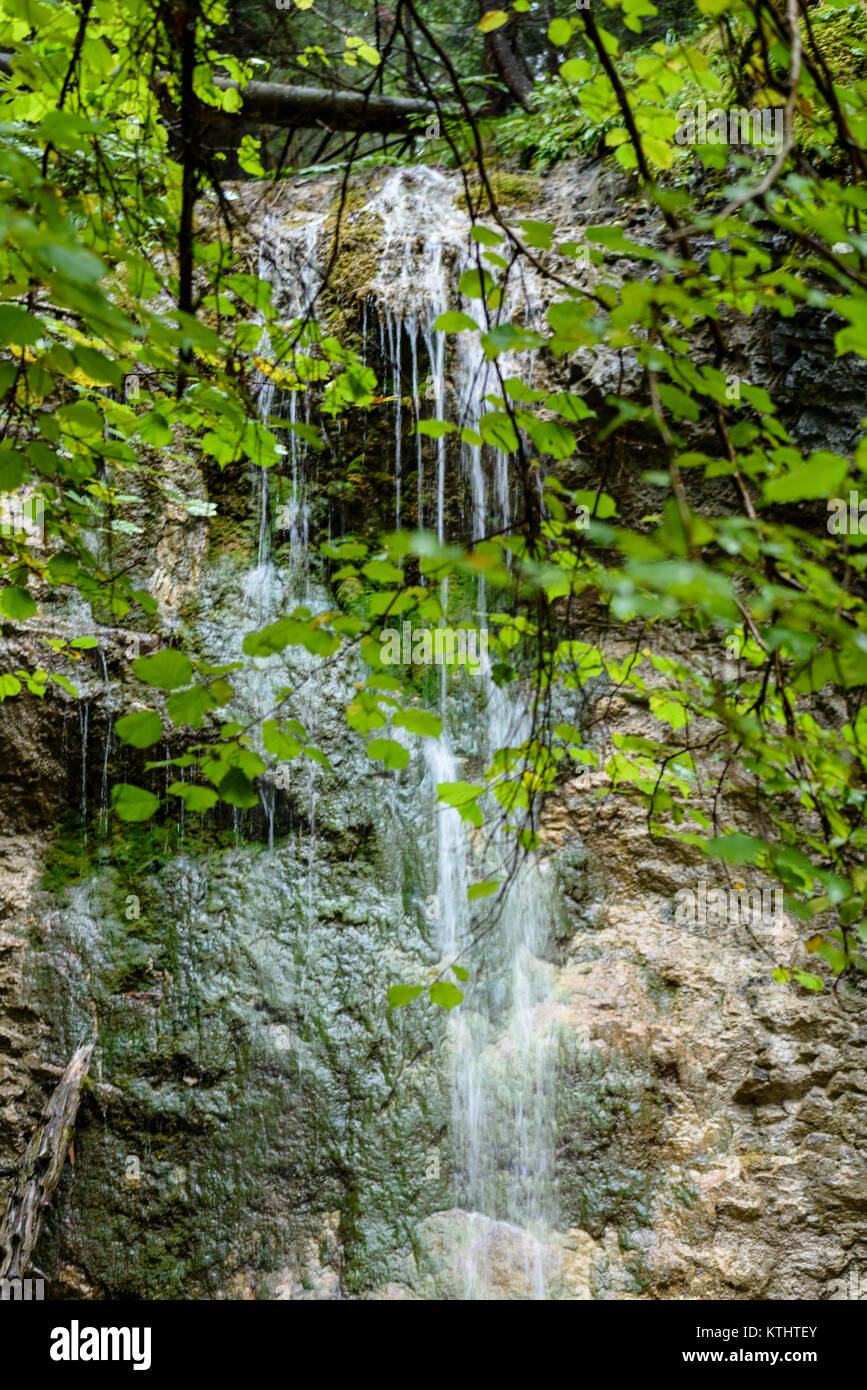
(40, 1169)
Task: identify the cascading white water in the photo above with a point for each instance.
(503, 1043)
(288, 261)
(422, 233)
(501, 1037)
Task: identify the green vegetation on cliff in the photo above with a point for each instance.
(139, 334)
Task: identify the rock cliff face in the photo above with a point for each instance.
(260, 1125)
(741, 1174)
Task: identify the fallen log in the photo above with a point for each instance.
(275, 103)
(40, 1169)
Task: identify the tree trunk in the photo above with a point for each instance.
(502, 60)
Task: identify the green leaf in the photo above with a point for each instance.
(237, 789)
(13, 469)
(559, 32)
(498, 431)
(388, 751)
(279, 743)
(476, 284)
(419, 721)
(65, 684)
(139, 730)
(222, 692)
(401, 995)
(457, 793)
(485, 236)
(549, 436)
(17, 604)
(453, 321)
(537, 234)
(168, 668)
(62, 568)
(821, 476)
(100, 369)
(485, 889)
(194, 798)
(19, 327)
(505, 337)
(568, 318)
(9, 685)
(575, 69)
(811, 982)
(737, 849)
(82, 421)
(383, 572)
(190, 706)
(133, 803)
(291, 631)
(155, 430)
(615, 239)
(434, 429)
(678, 402)
(445, 994)
(364, 714)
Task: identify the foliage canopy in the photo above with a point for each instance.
(106, 275)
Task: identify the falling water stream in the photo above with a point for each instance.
(500, 1039)
(298, 246)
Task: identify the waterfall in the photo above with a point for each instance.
(265, 407)
(503, 1047)
(499, 1045)
(288, 261)
(426, 249)
(413, 286)
(501, 1040)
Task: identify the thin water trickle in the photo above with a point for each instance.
(103, 791)
(416, 415)
(397, 380)
(269, 801)
(83, 715)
